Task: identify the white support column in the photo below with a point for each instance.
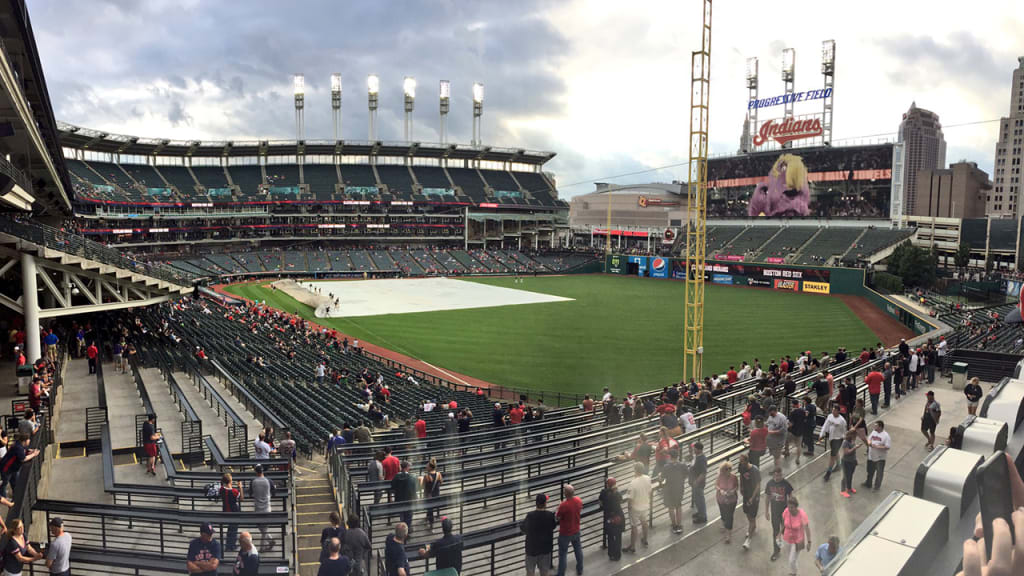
(30, 306)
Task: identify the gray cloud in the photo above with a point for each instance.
(921, 59)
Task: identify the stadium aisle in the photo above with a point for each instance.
(314, 501)
(828, 512)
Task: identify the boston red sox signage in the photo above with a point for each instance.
(788, 130)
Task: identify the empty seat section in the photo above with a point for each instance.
(398, 181)
(210, 177)
(226, 262)
(318, 261)
(358, 176)
(786, 242)
(875, 240)
(537, 186)
(406, 263)
(432, 179)
(145, 175)
(500, 180)
(295, 261)
(831, 242)
(360, 261)
(179, 177)
(340, 262)
(114, 174)
(321, 179)
(78, 168)
(382, 260)
(722, 235)
(470, 182)
(247, 178)
(271, 261)
(251, 262)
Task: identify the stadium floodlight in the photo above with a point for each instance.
(478, 110)
(299, 89)
(409, 87)
(788, 63)
(752, 72)
(828, 53)
(372, 93)
(446, 93)
(751, 69)
(336, 104)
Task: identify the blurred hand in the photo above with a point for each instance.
(1007, 557)
(1016, 492)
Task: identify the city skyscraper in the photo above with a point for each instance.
(924, 149)
(1005, 199)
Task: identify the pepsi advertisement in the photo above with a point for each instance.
(658, 267)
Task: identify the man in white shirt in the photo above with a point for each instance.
(429, 406)
(879, 444)
(835, 428)
(639, 505)
(261, 450)
(801, 362)
(915, 364)
(688, 422)
(941, 349)
(607, 395)
(744, 372)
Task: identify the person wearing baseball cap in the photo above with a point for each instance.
(614, 519)
(59, 550)
(204, 553)
(539, 526)
(447, 550)
(930, 419)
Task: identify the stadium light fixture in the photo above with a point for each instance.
(446, 93)
(478, 92)
(478, 110)
(788, 63)
(446, 89)
(751, 69)
(409, 86)
(299, 89)
(372, 92)
(828, 53)
(336, 104)
(299, 84)
(373, 84)
(336, 82)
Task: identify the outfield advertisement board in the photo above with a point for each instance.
(641, 264)
(616, 264)
(793, 285)
(658, 267)
(721, 279)
(816, 287)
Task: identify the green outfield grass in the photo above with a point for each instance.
(620, 332)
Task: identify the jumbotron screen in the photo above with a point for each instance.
(820, 182)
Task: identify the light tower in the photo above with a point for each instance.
(446, 94)
(372, 91)
(696, 202)
(478, 110)
(409, 88)
(751, 97)
(788, 76)
(336, 104)
(828, 72)
(299, 85)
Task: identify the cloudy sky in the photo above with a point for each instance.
(604, 84)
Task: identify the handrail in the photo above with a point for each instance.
(247, 398)
(147, 404)
(101, 388)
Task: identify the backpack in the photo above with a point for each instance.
(212, 491)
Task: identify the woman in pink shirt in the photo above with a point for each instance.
(796, 532)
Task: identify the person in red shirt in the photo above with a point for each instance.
(92, 353)
(453, 405)
(21, 356)
(758, 441)
(421, 428)
(568, 516)
(864, 355)
(515, 414)
(874, 380)
(390, 464)
(784, 366)
(231, 501)
(731, 375)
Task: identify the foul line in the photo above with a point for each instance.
(450, 375)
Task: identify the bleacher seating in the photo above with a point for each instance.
(210, 177)
(875, 240)
(721, 236)
(829, 243)
(500, 180)
(247, 178)
(321, 179)
(397, 179)
(750, 240)
(178, 177)
(786, 242)
(145, 175)
(469, 181)
(432, 177)
(358, 175)
(81, 170)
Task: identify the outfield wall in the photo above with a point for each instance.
(791, 278)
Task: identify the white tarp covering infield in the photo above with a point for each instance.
(403, 296)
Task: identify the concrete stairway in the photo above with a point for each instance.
(314, 501)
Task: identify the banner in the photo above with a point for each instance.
(721, 279)
(787, 285)
(729, 257)
(658, 267)
(775, 260)
(817, 287)
(641, 262)
(615, 264)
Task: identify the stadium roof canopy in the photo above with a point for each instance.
(28, 131)
(94, 140)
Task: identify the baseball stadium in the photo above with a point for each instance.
(387, 357)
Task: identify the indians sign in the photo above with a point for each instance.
(788, 130)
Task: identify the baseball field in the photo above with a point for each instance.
(615, 331)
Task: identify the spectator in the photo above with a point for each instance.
(930, 419)
(18, 550)
(58, 553)
(778, 426)
(826, 552)
(835, 428)
(887, 378)
(568, 516)
(421, 428)
(287, 450)
(10, 466)
(50, 340)
(396, 563)
(726, 494)
(335, 564)
(447, 550)
(874, 380)
(231, 501)
(614, 520)
(879, 444)
(796, 532)
(92, 353)
(356, 545)
(390, 464)
(204, 553)
(797, 423)
(666, 445)
(430, 482)
(849, 454)
(28, 425)
(538, 527)
(261, 491)
(150, 437)
(403, 486)
(973, 392)
(639, 506)
(777, 492)
(673, 477)
(334, 531)
(811, 422)
(758, 441)
(698, 477)
(750, 490)
(247, 563)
